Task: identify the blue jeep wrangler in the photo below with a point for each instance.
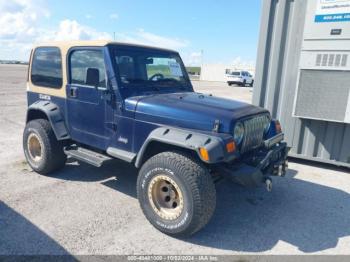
(96, 101)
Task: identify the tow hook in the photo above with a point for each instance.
(268, 184)
(280, 170)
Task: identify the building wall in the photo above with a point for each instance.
(280, 45)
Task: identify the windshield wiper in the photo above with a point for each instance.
(175, 83)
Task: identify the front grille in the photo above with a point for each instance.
(253, 133)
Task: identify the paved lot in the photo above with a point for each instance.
(85, 210)
(243, 94)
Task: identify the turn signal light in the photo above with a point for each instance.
(204, 154)
(278, 126)
(230, 147)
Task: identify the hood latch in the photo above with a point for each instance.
(216, 126)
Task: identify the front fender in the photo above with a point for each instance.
(53, 114)
(189, 139)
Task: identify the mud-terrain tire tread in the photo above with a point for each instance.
(55, 158)
(197, 176)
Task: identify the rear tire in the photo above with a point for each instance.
(169, 178)
(252, 83)
(44, 153)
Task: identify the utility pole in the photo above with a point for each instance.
(202, 52)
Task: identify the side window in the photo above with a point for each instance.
(85, 65)
(47, 67)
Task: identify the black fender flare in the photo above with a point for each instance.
(54, 116)
(187, 139)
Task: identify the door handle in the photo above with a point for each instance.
(73, 92)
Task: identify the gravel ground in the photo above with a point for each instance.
(86, 210)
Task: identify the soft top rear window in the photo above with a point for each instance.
(46, 69)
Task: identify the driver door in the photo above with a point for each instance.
(87, 107)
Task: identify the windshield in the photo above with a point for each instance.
(138, 67)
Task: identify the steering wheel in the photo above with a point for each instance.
(156, 77)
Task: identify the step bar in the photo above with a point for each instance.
(86, 155)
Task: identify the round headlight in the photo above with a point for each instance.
(238, 133)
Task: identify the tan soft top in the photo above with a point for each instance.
(65, 45)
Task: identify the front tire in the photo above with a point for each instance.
(176, 193)
(44, 153)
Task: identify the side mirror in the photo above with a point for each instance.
(92, 77)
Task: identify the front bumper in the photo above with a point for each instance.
(256, 168)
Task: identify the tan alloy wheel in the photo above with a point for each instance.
(34, 146)
(165, 197)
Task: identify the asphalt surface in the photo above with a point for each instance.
(86, 210)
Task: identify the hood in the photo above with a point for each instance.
(191, 110)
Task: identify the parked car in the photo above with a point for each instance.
(99, 101)
(241, 78)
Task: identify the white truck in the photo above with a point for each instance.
(241, 78)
